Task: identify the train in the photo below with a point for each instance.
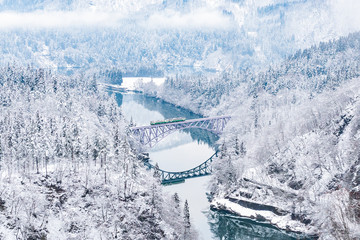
(171, 120)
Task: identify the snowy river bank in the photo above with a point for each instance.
(184, 150)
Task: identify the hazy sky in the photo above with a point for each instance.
(50, 19)
(343, 15)
(199, 18)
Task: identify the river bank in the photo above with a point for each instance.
(264, 214)
(232, 204)
(182, 151)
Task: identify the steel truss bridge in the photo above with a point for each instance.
(151, 135)
(177, 177)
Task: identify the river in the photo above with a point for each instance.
(184, 150)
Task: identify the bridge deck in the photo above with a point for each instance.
(176, 123)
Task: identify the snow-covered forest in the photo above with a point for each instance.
(312, 70)
(293, 142)
(287, 71)
(68, 168)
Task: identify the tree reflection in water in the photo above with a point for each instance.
(226, 226)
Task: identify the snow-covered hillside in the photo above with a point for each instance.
(68, 170)
(325, 66)
(290, 154)
(298, 155)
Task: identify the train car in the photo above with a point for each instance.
(171, 120)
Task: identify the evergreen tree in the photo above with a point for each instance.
(237, 147)
(176, 200)
(93, 85)
(1, 151)
(131, 124)
(223, 150)
(187, 223)
(157, 173)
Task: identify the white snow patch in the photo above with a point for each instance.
(282, 222)
(132, 83)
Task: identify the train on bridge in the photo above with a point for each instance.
(171, 120)
(157, 130)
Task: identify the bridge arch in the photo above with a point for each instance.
(168, 177)
(152, 134)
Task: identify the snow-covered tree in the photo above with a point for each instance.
(187, 224)
(67, 167)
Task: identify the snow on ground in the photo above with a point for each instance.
(132, 83)
(135, 83)
(283, 222)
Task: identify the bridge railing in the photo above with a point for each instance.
(177, 123)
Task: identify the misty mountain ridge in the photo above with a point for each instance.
(165, 37)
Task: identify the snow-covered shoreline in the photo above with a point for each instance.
(283, 222)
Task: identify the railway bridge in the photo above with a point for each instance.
(168, 177)
(150, 135)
